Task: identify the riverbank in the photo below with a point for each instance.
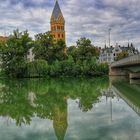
(65, 68)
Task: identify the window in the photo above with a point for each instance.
(58, 35)
(62, 36)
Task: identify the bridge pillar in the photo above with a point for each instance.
(134, 75)
(117, 72)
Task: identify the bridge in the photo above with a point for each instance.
(129, 66)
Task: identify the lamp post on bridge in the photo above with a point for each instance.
(109, 32)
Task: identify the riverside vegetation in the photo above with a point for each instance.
(51, 59)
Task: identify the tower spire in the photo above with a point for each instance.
(56, 11)
(57, 23)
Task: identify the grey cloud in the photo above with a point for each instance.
(90, 18)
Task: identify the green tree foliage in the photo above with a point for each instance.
(46, 49)
(85, 50)
(14, 53)
(43, 46)
(60, 50)
(73, 51)
(37, 68)
(69, 68)
(122, 55)
(51, 59)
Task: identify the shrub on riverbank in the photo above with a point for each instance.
(40, 68)
(37, 68)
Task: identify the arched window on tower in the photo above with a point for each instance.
(58, 27)
(54, 28)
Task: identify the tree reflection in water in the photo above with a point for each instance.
(21, 100)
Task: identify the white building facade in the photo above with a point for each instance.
(30, 55)
(109, 55)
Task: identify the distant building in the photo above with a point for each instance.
(109, 55)
(3, 38)
(57, 23)
(30, 55)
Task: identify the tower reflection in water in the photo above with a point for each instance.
(22, 100)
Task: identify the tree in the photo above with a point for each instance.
(37, 68)
(72, 51)
(47, 49)
(14, 53)
(51, 58)
(85, 50)
(122, 55)
(43, 46)
(60, 50)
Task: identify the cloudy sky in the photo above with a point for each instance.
(84, 18)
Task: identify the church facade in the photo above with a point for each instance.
(57, 24)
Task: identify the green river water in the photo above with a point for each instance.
(70, 109)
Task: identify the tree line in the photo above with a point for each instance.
(50, 58)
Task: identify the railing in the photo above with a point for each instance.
(135, 59)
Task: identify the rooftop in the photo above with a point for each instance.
(56, 11)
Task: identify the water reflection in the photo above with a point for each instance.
(22, 100)
(129, 91)
(98, 108)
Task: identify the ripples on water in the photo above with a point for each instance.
(70, 109)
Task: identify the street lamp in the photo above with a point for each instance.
(109, 30)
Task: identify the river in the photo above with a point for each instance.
(70, 109)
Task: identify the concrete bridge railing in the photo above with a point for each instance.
(131, 60)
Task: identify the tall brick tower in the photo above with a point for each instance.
(57, 23)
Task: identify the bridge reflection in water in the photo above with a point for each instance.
(128, 91)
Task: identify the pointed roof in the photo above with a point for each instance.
(56, 11)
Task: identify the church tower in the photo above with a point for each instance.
(57, 23)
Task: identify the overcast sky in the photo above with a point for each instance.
(84, 18)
